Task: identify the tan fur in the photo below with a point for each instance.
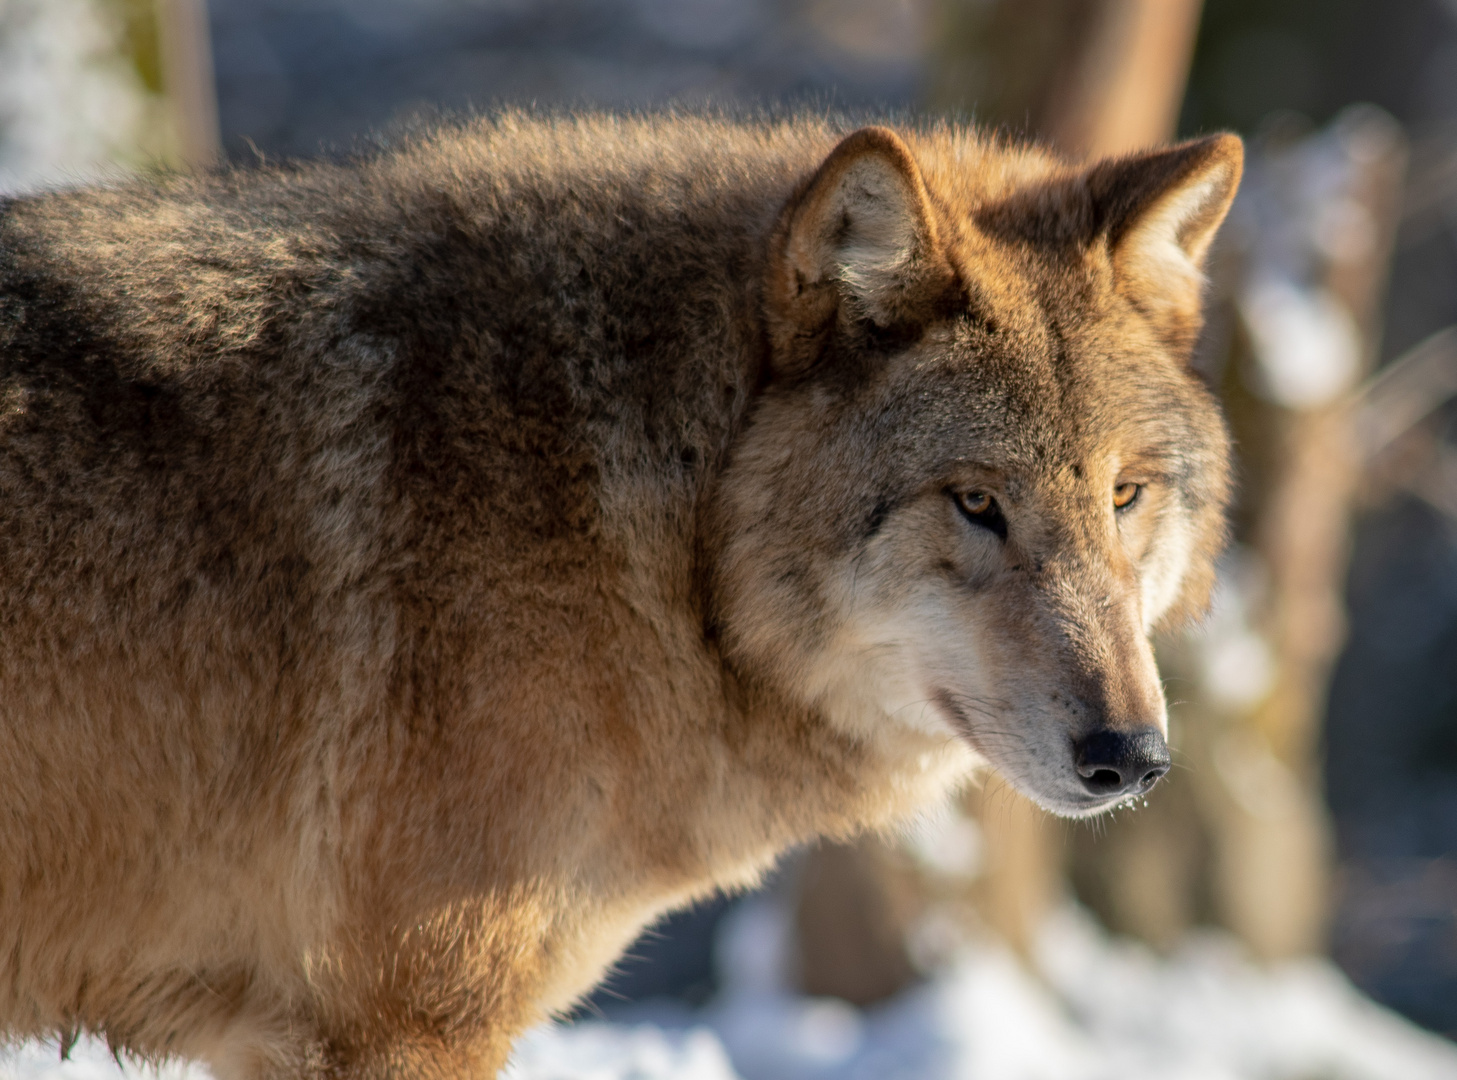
(415, 575)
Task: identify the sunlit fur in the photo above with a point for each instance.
(418, 573)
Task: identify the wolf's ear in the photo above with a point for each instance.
(1159, 212)
(858, 239)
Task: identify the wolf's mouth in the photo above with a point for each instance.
(1066, 803)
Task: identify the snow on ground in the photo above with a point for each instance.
(1098, 1009)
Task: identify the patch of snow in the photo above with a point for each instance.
(1305, 339)
(89, 1060)
(1094, 1008)
(598, 1051)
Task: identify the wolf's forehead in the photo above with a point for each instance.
(1046, 401)
(1048, 340)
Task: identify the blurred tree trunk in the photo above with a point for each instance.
(185, 47)
(1091, 77)
(855, 903)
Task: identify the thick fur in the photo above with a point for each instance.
(417, 574)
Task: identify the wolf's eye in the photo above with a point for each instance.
(975, 503)
(981, 509)
(1124, 494)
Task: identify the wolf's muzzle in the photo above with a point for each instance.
(1121, 763)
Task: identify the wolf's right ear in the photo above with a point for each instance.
(857, 240)
(1159, 212)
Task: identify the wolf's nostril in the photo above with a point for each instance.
(1103, 780)
(1153, 776)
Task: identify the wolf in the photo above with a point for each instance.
(419, 572)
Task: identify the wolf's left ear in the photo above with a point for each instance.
(857, 240)
(1159, 212)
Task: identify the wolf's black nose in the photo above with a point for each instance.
(1116, 763)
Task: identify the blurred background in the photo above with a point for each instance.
(1314, 812)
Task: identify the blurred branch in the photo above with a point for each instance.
(1123, 88)
(1399, 419)
(1430, 204)
(1407, 391)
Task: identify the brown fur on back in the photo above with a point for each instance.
(373, 539)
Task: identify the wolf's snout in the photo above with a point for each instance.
(1118, 763)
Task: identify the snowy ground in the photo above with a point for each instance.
(1098, 1009)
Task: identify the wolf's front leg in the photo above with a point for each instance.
(405, 1040)
(477, 1054)
(444, 998)
(474, 1055)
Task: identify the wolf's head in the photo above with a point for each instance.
(980, 471)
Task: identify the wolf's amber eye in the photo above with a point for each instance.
(1124, 494)
(982, 510)
(975, 502)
